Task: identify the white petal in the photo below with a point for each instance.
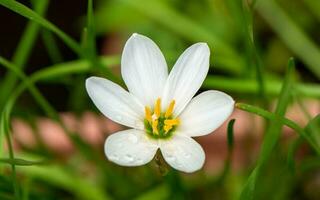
(115, 103)
(130, 148)
(143, 69)
(205, 113)
(186, 77)
(182, 153)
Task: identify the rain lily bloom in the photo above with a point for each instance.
(159, 108)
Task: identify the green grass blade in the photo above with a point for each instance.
(285, 121)
(51, 46)
(35, 92)
(227, 164)
(160, 12)
(230, 133)
(313, 129)
(250, 86)
(291, 34)
(23, 51)
(272, 134)
(62, 178)
(4, 122)
(20, 162)
(291, 152)
(90, 47)
(314, 7)
(30, 14)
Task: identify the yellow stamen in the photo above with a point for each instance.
(170, 109)
(167, 128)
(157, 108)
(155, 126)
(148, 113)
(171, 122)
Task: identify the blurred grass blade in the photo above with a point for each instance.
(313, 129)
(5, 131)
(291, 34)
(272, 134)
(314, 7)
(190, 30)
(160, 192)
(68, 180)
(227, 164)
(20, 162)
(51, 46)
(30, 14)
(90, 43)
(250, 86)
(23, 51)
(34, 91)
(230, 134)
(291, 152)
(285, 121)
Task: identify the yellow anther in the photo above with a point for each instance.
(155, 126)
(170, 109)
(171, 122)
(157, 108)
(167, 128)
(148, 113)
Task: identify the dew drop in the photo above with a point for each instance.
(187, 155)
(120, 145)
(114, 157)
(128, 158)
(119, 117)
(132, 138)
(171, 158)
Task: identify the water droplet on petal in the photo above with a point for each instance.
(120, 145)
(119, 117)
(113, 157)
(171, 158)
(128, 158)
(139, 160)
(187, 155)
(133, 138)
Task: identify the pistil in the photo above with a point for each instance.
(160, 125)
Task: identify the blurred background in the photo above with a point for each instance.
(52, 136)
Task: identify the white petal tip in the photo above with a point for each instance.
(204, 46)
(91, 81)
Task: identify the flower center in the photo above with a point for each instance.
(160, 125)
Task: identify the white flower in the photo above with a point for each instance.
(159, 107)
